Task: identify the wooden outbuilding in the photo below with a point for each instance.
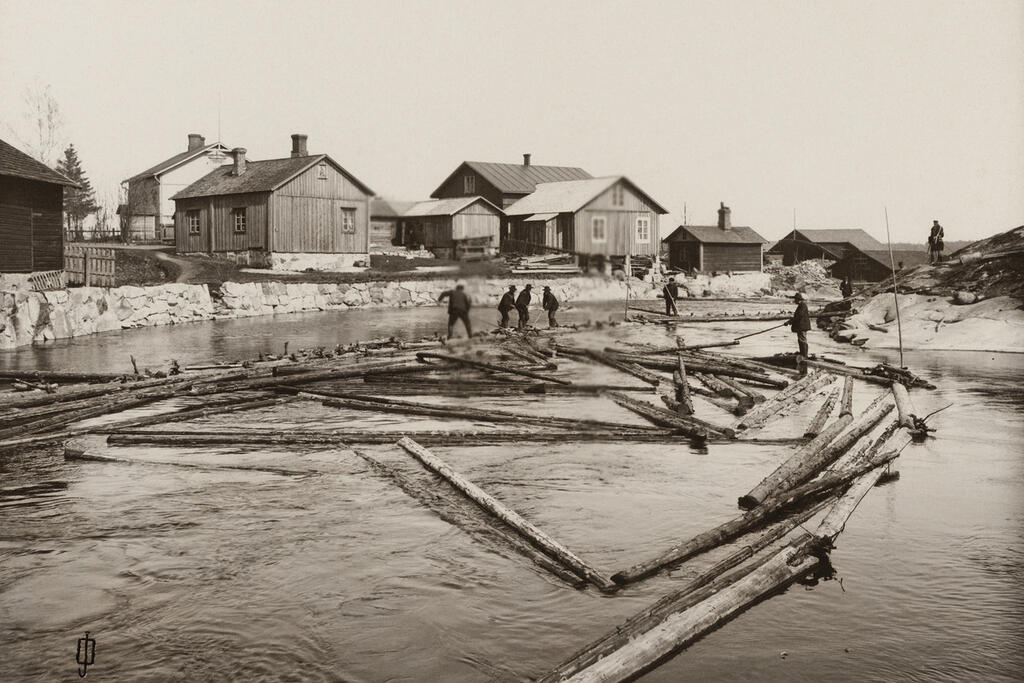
(830, 244)
(387, 227)
(31, 208)
(874, 265)
(608, 216)
(716, 248)
(454, 228)
(296, 213)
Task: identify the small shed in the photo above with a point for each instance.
(454, 228)
(874, 265)
(31, 209)
(387, 226)
(830, 243)
(710, 248)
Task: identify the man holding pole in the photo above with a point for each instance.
(507, 303)
(523, 306)
(458, 308)
(671, 292)
(801, 323)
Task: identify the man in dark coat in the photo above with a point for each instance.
(507, 303)
(458, 308)
(935, 245)
(801, 323)
(671, 292)
(523, 306)
(550, 304)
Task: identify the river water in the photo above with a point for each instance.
(214, 564)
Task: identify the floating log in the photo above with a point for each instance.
(903, 405)
(740, 391)
(816, 425)
(65, 377)
(712, 383)
(423, 355)
(777, 406)
(63, 419)
(232, 406)
(847, 403)
(695, 366)
(537, 537)
(691, 426)
(683, 388)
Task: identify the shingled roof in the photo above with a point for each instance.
(909, 258)
(445, 207)
(854, 236)
(14, 162)
(517, 178)
(177, 160)
(259, 176)
(712, 234)
(389, 208)
(570, 196)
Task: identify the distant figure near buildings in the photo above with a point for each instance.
(846, 288)
(458, 308)
(507, 303)
(801, 323)
(935, 245)
(671, 292)
(523, 306)
(550, 304)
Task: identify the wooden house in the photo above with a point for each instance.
(296, 213)
(874, 265)
(149, 210)
(31, 206)
(387, 227)
(716, 248)
(454, 228)
(502, 184)
(599, 216)
(831, 244)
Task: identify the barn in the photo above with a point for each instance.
(31, 206)
(715, 248)
(829, 243)
(608, 216)
(874, 265)
(454, 228)
(296, 213)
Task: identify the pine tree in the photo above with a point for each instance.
(80, 202)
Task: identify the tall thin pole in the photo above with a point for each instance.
(895, 293)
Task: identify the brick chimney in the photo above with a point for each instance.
(299, 145)
(239, 154)
(526, 160)
(195, 141)
(724, 217)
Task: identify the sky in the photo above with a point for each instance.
(806, 113)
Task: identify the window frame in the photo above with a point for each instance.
(645, 220)
(243, 213)
(469, 183)
(348, 220)
(593, 229)
(196, 229)
(618, 195)
(321, 170)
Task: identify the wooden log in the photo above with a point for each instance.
(683, 390)
(691, 426)
(58, 422)
(232, 406)
(670, 365)
(537, 537)
(818, 422)
(712, 383)
(777, 408)
(423, 355)
(903, 405)
(65, 377)
(847, 403)
(690, 347)
(808, 461)
(741, 391)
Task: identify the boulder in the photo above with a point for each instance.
(963, 298)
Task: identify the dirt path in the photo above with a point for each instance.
(187, 270)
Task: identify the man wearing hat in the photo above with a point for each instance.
(507, 303)
(671, 292)
(550, 304)
(801, 323)
(523, 306)
(458, 308)
(935, 245)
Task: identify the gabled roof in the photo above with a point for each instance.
(389, 208)
(712, 234)
(881, 256)
(259, 176)
(571, 195)
(446, 207)
(517, 178)
(854, 236)
(14, 162)
(177, 160)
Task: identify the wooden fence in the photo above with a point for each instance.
(89, 266)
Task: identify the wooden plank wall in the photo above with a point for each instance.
(307, 215)
(15, 239)
(621, 226)
(31, 230)
(224, 236)
(474, 222)
(90, 266)
(732, 257)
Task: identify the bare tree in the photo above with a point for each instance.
(44, 124)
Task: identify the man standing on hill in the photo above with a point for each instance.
(507, 303)
(801, 323)
(671, 292)
(458, 308)
(935, 245)
(523, 306)
(550, 304)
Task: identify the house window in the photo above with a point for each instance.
(599, 228)
(643, 229)
(618, 196)
(192, 221)
(321, 170)
(348, 220)
(238, 220)
(469, 184)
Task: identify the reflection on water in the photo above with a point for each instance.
(271, 564)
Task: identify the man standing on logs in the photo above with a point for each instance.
(458, 308)
(523, 306)
(507, 303)
(935, 245)
(550, 304)
(671, 292)
(801, 323)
